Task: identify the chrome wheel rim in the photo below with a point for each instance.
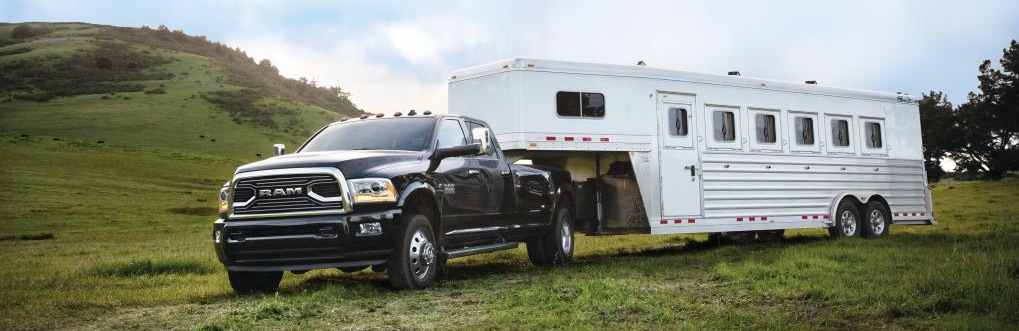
(877, 221)
(848, 223)
(566, 237)
(422, 254)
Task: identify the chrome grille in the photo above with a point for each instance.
(287, 194)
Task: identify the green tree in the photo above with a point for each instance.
(989, 121)
(940, 136)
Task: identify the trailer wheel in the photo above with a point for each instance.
(255, 282)
(847, 221)
(875, 220)
(742, 237)
(415, 260)
(556, 246)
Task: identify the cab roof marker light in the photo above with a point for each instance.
(428, 112)
(364, 116)
(379, 115)
(412, 113)
(397, 114)
(344, 119)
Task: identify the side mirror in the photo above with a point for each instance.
(279, 149)
(445, 152)
(482, 139)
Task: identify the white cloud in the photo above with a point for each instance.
(413, 43)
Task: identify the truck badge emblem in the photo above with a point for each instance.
(280, 192)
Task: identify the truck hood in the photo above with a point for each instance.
(353, 164)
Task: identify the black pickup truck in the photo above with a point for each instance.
(400, 194)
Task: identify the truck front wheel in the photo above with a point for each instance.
(415, 259)
(555, 247)
(258, 282)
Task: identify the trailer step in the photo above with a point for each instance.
(480, 249)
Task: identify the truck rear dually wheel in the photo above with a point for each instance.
(415, 261)
(556, 246)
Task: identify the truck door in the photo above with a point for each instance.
(680, 164)
(495, 178)
(465, 194)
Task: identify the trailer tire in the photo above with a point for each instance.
(255, 282)
(742, 237)
(556, 246)
(876, 219)
(415, 262)
(847, 221)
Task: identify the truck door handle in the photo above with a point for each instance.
(505, 172)
(473, 172)
(692, 168)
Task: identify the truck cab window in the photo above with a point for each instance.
(491, 149)
(765, 127)
(840, 133)
(580, 104)
(678, 122)
(724, 125)
(804, 131)
(451, 134)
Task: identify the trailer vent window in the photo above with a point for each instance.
(840, 133)
(580, 104)
(725, 125)
(804, 131)
(873, 135)
(678, 119)
(765, 128)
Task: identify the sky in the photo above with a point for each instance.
(397, 55)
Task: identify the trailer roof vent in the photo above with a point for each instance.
(811, 82)
(734, 73)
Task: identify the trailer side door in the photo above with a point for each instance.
(679, 161)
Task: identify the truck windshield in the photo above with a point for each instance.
(403, 134)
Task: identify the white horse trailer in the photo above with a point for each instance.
(662, 151)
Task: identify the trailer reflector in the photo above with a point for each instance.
(764, 218)
(691, 220)
(753, 218)
(604, 140)
(815, 217)
(550, 138)
(568, 138)
(664, 222)
(803, 217)
(586, 139)
(826, 217)
(739, 219)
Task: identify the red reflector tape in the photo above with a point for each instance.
(604, 140)
(550, 138)
(923, 214)
(586, 139)
(753, 218)
(664, 222)
(677, 221)
(568, 138)
(914, 214)
(815, 217)
(691, 221)
(739, 219)
(804, 217)
(825, 216)
(895, 214)
(764, 218)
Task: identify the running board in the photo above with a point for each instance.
(480, 249)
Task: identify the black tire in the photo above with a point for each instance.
(415, 261)
(847, 221)
(771, 235)
(876, 220)
(255, 282)
(556, 246)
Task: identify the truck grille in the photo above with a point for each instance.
(291, 193)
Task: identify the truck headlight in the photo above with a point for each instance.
(372, 190)
(224, 200)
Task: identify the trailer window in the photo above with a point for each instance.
(678, 120)
(724, 125)
(840, 133)
(580, 104)
(873, 131)
(451, 134)
(765, 127)
(804, 131)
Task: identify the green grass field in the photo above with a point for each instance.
(117, 236)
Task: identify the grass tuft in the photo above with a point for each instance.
(27, 237)
(152, 268)
(195, 211)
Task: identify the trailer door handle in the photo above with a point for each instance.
(692, 168)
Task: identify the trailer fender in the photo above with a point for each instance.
(861, 197)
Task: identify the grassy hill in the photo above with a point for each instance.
(153, 88)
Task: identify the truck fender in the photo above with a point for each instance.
(413, 187)
(861, 196)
